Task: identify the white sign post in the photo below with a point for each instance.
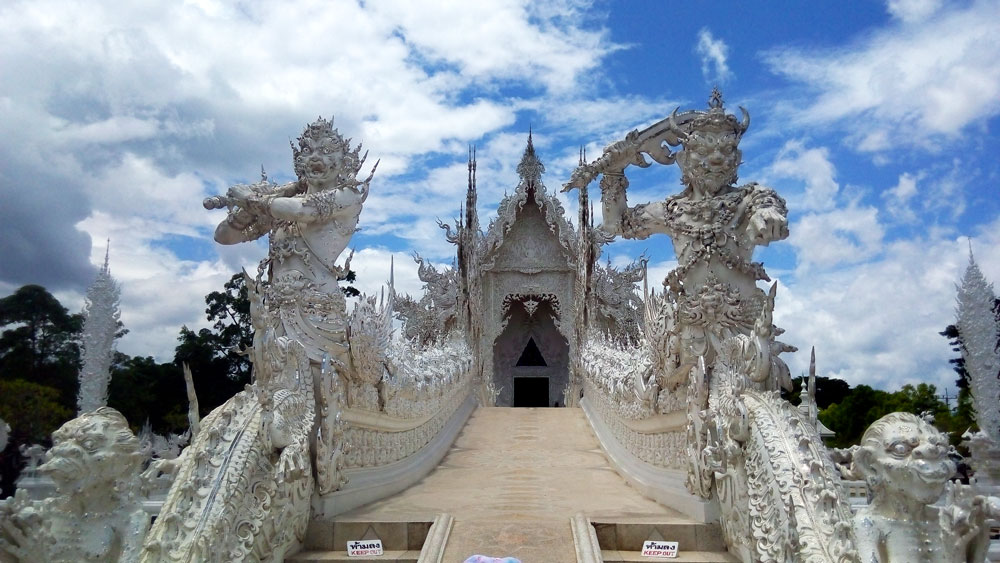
(364, 548)
(659, 549)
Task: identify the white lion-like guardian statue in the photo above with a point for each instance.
(96, 513)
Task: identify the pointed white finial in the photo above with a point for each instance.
(812, 375)
(107, 256)
(645, 281)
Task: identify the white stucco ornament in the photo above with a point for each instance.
(331, 397)
(709, 359)
(713, 223)
(978, 329)
(916, 514)
(101, 316)
(246, 478)
(96, 514)
(435, 314)
(309, 222)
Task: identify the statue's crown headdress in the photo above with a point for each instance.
(322, 130)
(714, 120)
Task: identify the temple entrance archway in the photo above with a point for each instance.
(530, 356)
(531, 391)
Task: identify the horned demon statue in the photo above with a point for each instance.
(243, 489)
(714, 226)
(709, 346)
(310, 222)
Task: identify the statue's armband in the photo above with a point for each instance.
(641, 221)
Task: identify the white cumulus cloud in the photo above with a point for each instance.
(913, 10)
(832, 239)
(909, 84)
(877, 322)
(810, 166)
(713, 53)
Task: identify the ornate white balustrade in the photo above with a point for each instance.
(658, 440)
(429, 394)
(642, 429)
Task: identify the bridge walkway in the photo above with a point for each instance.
(514, 479)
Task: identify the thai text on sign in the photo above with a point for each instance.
(659, 549)
(362, 548)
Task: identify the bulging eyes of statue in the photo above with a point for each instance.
(900, 449)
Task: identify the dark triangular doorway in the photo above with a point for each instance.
(531, 356)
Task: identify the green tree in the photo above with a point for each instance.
(39, 362)
(964, 416)
(863, 405)
(829, 390)
(217, 357)
(232, 332)
(33, 412)
(918, 400)
(40, 342)
(349, 290)
(850, 417)
(216, 379)
(142, 389)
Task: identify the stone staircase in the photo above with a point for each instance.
(622, 541)
(513, 484)
(326, 541)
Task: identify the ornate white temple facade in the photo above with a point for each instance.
(681, 387)
(522, 290)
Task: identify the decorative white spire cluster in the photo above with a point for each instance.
(100, 325)
(978, 330)
(530, 169)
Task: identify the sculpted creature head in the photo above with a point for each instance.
(259, 315)
(91, 452)
(710, 157)
(902, 456)
(324, 159)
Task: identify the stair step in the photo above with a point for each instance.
(617, 556)
(629, 535)
(388, 556)
(328, 536)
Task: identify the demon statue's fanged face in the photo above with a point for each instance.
(903, 456)
(709, 161)
(324, 158)
(710, 156)
(94, 450)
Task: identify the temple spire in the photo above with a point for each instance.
(471, 197)
(107, 255)
(100, 325)
(978, 330)
(530, 168)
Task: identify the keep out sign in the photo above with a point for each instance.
(362, 548)
(659, 549)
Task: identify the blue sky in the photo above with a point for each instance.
(876, 121)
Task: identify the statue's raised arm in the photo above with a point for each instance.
(714, 223)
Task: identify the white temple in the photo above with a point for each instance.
(674, 436)
(522, 291)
